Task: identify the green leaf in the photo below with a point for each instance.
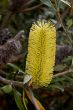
(30, 95)
(17, 97)
(58, 86)
(7, 88)
(66, 2)
(60, 67)
(70, 23)
(67, 59)
(24, 101)
(69, 79)
(15, 67)
(48, 3)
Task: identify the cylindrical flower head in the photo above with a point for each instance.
(41, 53)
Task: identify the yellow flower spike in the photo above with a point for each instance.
(41, 53)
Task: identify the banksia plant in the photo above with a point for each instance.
(41, 53)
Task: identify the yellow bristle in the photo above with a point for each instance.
(41, 53)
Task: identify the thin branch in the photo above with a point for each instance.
(13, 83)
(63, 73)
(64, 28)
(7, 20)
(8, 17)
(31, 8)
(60, 19)
(21, 85)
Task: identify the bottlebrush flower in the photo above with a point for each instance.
(41, 53)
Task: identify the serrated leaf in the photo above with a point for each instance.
(17, 98)
(7, 88)
(48, 3)
(66, 2)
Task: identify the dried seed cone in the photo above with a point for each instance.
(41, 53)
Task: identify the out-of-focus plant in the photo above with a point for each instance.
(16, 15)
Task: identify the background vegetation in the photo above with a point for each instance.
(17, 16)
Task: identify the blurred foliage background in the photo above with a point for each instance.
(18, 15)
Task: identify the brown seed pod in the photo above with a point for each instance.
(10, 49)
(5, 34)
(7, 51)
